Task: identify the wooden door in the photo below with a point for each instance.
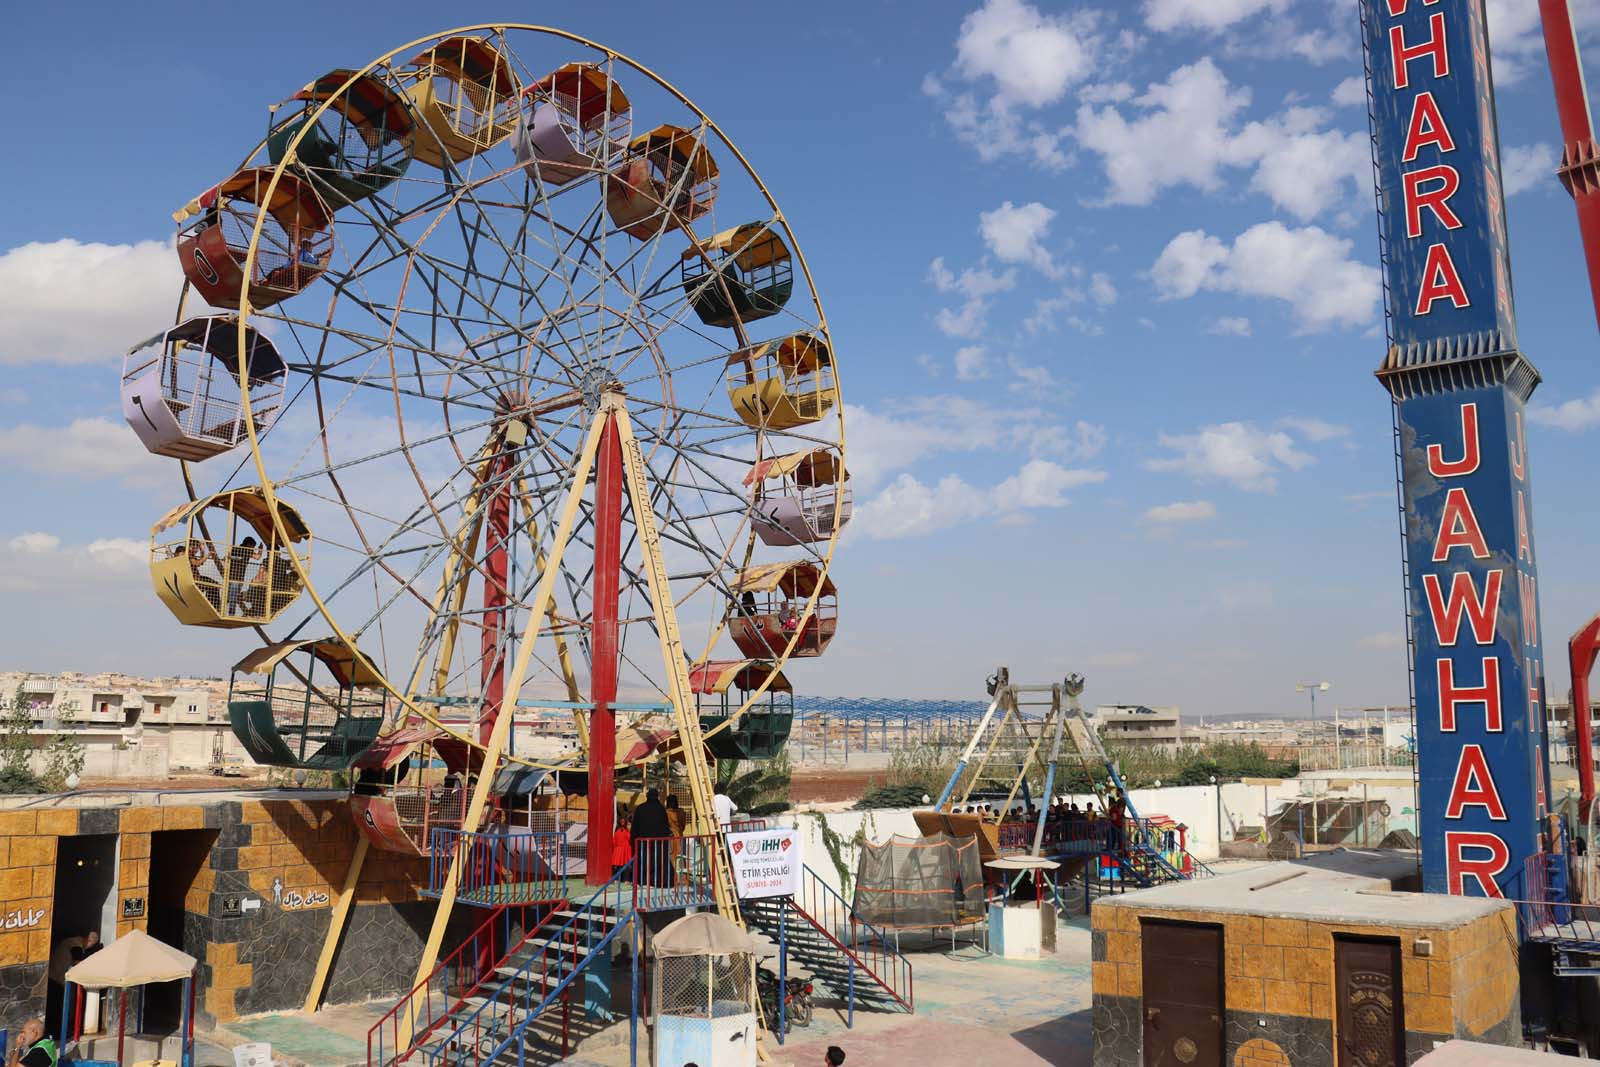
(1370, 1004)
(1182, 994)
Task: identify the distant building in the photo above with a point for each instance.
(131, 727)
(1139, 725)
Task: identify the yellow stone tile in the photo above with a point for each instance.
(16, 883)
(1245, 994)
(1430, 1013)
(1128, 980)
(185, 817)
(1103, 979)
(1285, 998)
(19, 823)
(1308, 964)
(141, 819)
(1262, 961)
(1284, 932)
(61, 822)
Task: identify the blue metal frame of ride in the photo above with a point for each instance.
(1459, 386)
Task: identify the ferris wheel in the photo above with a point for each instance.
(497, 379)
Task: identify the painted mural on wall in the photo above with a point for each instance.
(1460, 388)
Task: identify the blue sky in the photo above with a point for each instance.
(1102, 279)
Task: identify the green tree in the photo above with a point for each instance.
(64, 754)
(757, 787)
(16, 732)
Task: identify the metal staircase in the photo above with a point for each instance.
(849, 956)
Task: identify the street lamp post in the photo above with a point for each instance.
(1313, 688)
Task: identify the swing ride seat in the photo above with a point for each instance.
(303, 717)
(761, 626)
(667, 179)
(295, 247)
(464, 95)
(207, 577)
(778, 385)
(801, 498)
(740, 275)
(180, 389)
(359, 145)
(762, 731)
(573, 120)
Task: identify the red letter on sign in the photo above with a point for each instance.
(1458, 527)
(1424, 109)
(1440, 280)
(1474, 785)
(1469, 448)
(1458, 868)
(1484, 610)
(1398, 7)
(1487, 694)
(1434, 46)
(1435, 200)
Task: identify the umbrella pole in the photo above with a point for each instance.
(122, 1021)
(183, 1025)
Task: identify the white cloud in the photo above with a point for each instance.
(1084, 326)
(1045, 310)
(972, 363)
(1351, 91)
(1239, 453)
(1315, 429)
(976, 285)
(1106, 93)
(1231, 326)
(909, 508)
(1101, 290)
(69, 301)
(1032, 58)
(1212, 15)
(1016, 234)
(1182, 511)
(1184, 132)
(916, 428)
(1308, 268)
(88, 449)
(40, 562)
(1523, 167)
(929, 365)
(1030, 378)
(1582, 413)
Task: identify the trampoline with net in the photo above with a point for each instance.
(921, 883)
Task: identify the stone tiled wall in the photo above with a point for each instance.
(291, 855)
(1279, 984)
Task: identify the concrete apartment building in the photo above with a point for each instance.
(1139, 725)
(131, 727)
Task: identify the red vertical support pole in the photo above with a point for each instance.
(1580, 170)
(1581, 653)
(496, 568)
(604, 651)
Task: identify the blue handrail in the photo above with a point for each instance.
(500, 868)
(886, 965)
(555, 940)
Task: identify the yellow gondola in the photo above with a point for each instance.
(764, 614)
(800, 498)
(667, 179)
(465, 96)
(218, 561)
(778, 385)
(574, 120)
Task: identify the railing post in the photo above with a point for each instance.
(633, 1009)
(851, 1023)
(783, 966)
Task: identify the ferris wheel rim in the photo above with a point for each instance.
(408, 705)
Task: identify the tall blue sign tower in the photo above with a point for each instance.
(1459, 386)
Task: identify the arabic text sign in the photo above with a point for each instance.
(766, 863)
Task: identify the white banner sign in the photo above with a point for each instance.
(766, 863)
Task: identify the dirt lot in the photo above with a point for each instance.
(809, 786)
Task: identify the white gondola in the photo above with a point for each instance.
(180, 389)
(574, 120)
(800, 498)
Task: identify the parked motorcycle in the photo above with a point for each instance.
(797, 1008)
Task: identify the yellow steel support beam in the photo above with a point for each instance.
(341, 911)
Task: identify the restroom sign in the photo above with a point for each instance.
(766, 863)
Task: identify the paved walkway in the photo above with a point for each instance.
(973, 1010)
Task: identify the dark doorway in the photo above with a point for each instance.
(1182, 993)
(178, 855)
(1371, 1004)
(86, 872)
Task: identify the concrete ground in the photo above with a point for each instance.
(972, 1009)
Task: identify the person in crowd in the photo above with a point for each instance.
(33, 1047)
(240, 557)
(834, 1057)
(651, 825)
(622, 843)
(725, 807)
(676, 816)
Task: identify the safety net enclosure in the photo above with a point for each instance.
(910, 883)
